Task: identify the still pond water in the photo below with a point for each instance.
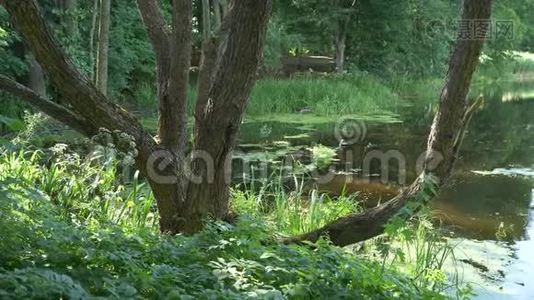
(488, 205)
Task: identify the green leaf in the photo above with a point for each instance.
(13, 124)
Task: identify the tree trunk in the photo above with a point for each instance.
(103, 47)
(443, 142)
(219, 118)
(217, 14)
(341, 39)
(341, 32)
(92, 38)
(220, 9)
(206, 23)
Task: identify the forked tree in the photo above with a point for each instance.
(231, 58)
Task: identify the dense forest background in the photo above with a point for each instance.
(385, 39)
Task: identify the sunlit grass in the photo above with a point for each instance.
(327, 95)
(88, 188)
(71, 230)
(291, 211)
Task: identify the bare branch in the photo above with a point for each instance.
(50, 108)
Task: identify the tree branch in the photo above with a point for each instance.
(205, 76)
(155, 25)
(359, 227)
(239, 54)
(77, 89)
(208, 65)
(50, 108)
(172, 70)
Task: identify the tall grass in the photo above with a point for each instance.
(291, 211)
(329, 95)
(88, 188)
(417, 91)
(420, 250)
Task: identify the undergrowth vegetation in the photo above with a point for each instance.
(291, 212)
(72, 228)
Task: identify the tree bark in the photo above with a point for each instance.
(341, 32)
(206, 22)
(172, 115)
(92, 38)
(50, 108)
(172, 71)
(443, 141)
(239, 55)
(103, 47)
(217, 14)
(340, 42)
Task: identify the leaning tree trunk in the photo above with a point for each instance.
(103, 47)
(443, 142)
(230, 74)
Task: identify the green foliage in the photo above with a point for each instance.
(12, 124)
(322, 156)
(328, 95)
(62, 259)
(294, 211)
(89, 189)
(279, 40)
(70, 231)
(11, 62)
(415, 247)
(131, 61)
